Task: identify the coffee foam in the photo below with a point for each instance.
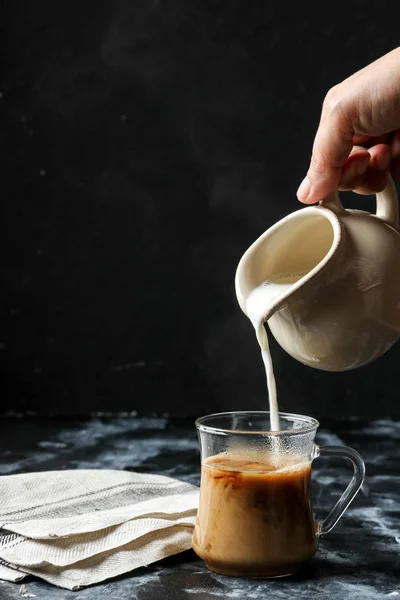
(250, 461)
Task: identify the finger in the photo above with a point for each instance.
(361, 139)
(368, 141)
(332, 145)
(354, 169)
(375, 177)
(395, 149)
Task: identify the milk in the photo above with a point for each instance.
(257, 305)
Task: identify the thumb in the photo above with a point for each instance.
(332, 146)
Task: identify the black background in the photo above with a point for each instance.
(145, 145)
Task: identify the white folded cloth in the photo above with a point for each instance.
(77, 528)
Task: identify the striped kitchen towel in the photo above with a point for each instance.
(77, 528)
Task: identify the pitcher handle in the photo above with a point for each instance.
(352, 489)
(332, 201)
(387, 204)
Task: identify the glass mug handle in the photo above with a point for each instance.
(350, 492)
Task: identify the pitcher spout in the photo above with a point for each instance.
(285, 258)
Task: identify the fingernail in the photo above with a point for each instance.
(382, 162)
(304, 189)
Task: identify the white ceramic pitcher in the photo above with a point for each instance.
(345, 311)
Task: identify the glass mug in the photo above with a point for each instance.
(255, 517)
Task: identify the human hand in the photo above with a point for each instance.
(358, 139)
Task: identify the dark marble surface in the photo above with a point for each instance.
(358, 560)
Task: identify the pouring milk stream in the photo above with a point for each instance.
(258, 301)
